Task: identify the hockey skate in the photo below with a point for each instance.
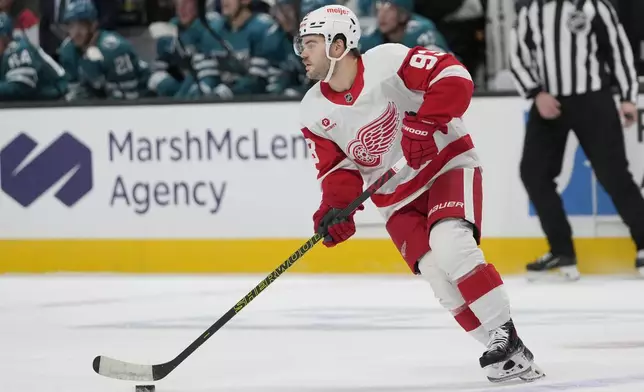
(564, 265)
(508, 358)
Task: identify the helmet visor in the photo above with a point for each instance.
(298, 45)
(308, 41)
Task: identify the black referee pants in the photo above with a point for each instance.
(595, 120)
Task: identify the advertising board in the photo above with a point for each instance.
(149, 185)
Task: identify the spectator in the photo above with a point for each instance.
(99, 63)
(25, 21)
(26, 72)
(397, 23)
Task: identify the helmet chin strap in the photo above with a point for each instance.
(332, 66)
(330, 73)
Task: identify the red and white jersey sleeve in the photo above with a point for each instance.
(446, 85)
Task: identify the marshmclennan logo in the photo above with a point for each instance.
(340, 11)
(449, 204)
(26, 180)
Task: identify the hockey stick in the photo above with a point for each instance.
(115, 368)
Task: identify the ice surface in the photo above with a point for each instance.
(308, 334)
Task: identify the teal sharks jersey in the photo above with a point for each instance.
(28, 73)
(257, 45)
(180, 64)
(115, 71)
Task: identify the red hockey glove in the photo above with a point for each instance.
(339, 189)
(418, 139)
(335, 230)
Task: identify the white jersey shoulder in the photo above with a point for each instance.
(385, 57)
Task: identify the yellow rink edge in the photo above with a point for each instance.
(596, 255)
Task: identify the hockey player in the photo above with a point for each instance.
(398, 24)
(180, 69)
(27, 72)
(365, 114)
(288, 77)
(99, 63)
(253, 38)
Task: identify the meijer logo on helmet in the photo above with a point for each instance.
(340, 11)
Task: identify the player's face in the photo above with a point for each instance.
(186, 11)
(230, 8)
(314, 57)
(80, 32)
(286, 16)
(388, 17)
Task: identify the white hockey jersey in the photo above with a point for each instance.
(359, 129)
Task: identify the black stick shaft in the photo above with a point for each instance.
(160, 371)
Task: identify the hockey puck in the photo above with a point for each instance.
(144, 388)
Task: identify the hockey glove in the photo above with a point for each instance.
(339, 189)
(334, 230)
(417, 142)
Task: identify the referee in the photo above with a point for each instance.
(567, 55)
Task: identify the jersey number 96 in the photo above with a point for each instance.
(425, 59)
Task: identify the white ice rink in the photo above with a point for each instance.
(308, 334)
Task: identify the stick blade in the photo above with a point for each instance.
(113, 368)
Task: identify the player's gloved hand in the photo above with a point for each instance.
(339, 189)
(335, 230)
(417, 142)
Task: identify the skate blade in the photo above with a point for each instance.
(531, 374)
(509, 377)
(534, 374)
(568, 274)
(523, 367)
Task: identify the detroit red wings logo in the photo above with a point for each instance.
(376, 138)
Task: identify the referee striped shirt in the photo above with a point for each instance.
(570, 47)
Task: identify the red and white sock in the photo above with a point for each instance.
(470, 323)
(484, 293)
